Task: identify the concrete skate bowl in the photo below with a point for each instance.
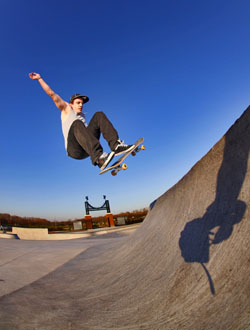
(186, 267)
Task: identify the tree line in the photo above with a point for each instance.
(8, 221)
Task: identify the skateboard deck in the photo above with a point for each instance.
(119, 165)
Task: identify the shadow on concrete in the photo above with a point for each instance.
(151, 206)
(226, 211)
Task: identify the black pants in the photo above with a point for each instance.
(84, 141)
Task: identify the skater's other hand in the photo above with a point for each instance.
(34, 76)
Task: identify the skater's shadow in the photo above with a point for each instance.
(218, 222)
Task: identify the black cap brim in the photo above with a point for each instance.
(79, 96)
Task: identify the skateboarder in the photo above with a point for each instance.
(82, 140)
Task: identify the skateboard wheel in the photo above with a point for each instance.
(113, 173)
(143, 147)
(133, 153)
(124, 166)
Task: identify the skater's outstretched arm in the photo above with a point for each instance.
(59, 102)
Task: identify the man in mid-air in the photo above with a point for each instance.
(82, 140)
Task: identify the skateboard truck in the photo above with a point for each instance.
(134, 152)
(119, 168)
(119, 165)
(125, 166)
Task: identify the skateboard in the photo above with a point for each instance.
(119, 165)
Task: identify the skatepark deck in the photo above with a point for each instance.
(186, 267)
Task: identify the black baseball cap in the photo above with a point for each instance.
(79, 96)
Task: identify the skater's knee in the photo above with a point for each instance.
(99, 114)
(78, 124)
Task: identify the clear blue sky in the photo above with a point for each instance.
(175, 72)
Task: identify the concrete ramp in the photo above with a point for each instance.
(186, 267)
(31, 233)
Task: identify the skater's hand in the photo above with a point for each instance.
(34, 76)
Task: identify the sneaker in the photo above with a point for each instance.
(121, 148)
(105, 159)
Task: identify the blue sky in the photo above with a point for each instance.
(175, 72)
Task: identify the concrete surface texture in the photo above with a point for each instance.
(23, 262)
(186, 267)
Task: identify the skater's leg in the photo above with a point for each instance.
(81, 143)
(74, 149)
(101, 124)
